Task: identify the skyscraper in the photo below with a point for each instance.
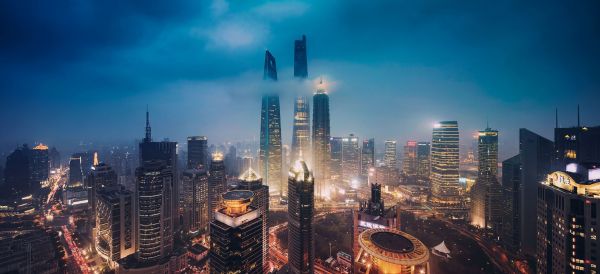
(301, 203)
(102, 176)
(409, 162)
(320, 137)
(445, 189)
(536, 156)
(301, 130)
(197, 152)
(567, 212)
(390, 158)
(236, 236)
(576, 145)
(75, 171)
(250, 180)
(335, 158)
(367, 160)
(350, 158)
(217, 184)
(486, 201)
(195, 200)
(40, 165)
(54, 158)
(165, 151)
(511, 216)
(423, 162)
(154, 218)
(17, 174)
(114, 218)
(270, 160)
(300, 58)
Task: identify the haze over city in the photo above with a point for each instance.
(299, 137)
(394, 68)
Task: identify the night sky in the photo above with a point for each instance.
(74, 70)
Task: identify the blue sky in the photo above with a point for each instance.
(85, 70)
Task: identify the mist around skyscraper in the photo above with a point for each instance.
(341, 137)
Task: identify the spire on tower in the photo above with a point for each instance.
(148, 137)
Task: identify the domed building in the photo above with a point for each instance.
(385, 250)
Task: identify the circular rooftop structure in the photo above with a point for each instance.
(238, 195)
(392, 242)
(392, 247)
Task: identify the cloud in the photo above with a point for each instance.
(219, 7)
(281, 10)
(234, 34)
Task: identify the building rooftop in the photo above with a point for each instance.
(393, 247)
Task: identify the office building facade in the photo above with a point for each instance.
(445, 190)
(301, 211)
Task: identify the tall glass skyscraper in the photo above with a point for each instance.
(217, 184)
(300, 59)
(301, 207)
(270, 132)
(249, 180)
(350, 158)
(197, 152)
(445, 189)
(409, 162)
(320, 137)
(335, 158)
(301, 130)
(154, 219)
(486, 195)
(390, 158)
(367, 160)
(423, 162)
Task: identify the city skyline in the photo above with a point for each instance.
(299, 136)
(482, 66)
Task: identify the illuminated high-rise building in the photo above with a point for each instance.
(390, 156)
(423, 162)
(384, 250)
(486, 194)
(511, 216)
(335, 158)
(300, 58)
(195, 200)
(217, 184)
(301, 130)
(75, 171)
(166, 152)
(445, 189)
(350, 158)
(197, 152)
(270, 160)
(536, 158)
(568, 205)
(250, 180)
(320, 137)
(54, 158)
(367, 159)
(301, 211)
(154, 215)
(236, 235)
(409, 162)
(114, 235)
(101, 177)
(40, 165)
(578, 144)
